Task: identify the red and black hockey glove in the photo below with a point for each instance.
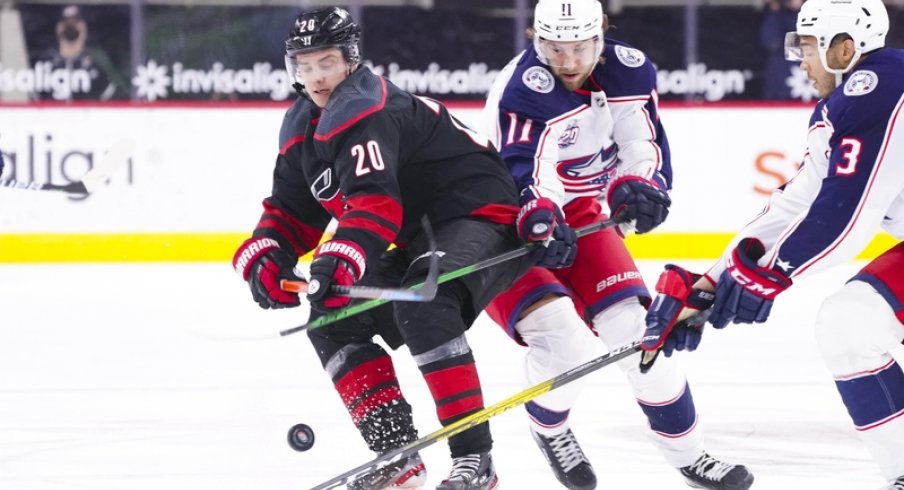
(639, 201)
(336, 263)
(542, 222)
(261, 263)
(745, 291)
(667, 329)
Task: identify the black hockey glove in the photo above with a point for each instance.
(640, 201)
(261, 263)
(542, 222)
(339, 263)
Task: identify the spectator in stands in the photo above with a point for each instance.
(79, 72)
(779, 17)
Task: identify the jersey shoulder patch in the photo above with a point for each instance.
(629, 57)
(861, 82)
(627, 71)
(359, 96)
(538, 79)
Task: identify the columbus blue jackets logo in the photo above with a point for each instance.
(538, 79)
(861, 82)
(630, 57)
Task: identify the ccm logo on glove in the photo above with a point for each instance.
(749, 284)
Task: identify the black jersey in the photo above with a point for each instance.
(377, 159)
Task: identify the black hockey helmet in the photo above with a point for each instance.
(329, 27)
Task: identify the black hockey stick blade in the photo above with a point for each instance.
(443, 278)
(423, 292)
(480, 416)
(103, 169)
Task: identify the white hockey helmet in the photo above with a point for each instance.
(866, 21)
(568, 21)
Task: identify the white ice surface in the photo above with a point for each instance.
(168, 376)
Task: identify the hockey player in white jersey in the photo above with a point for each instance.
(575, 118)
(850, 185)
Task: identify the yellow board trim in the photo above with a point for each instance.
(219, 247)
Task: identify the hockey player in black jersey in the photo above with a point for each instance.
(357, 149)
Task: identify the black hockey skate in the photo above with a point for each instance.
(471, 472)
(708, 472)
(564, 455)
(407, 473)
(897, 484)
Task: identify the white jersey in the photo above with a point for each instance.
(563, 144)
(851, 182)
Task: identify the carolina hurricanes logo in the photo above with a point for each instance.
(323, 188)
(327, 192)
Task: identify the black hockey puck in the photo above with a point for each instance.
(301, 437)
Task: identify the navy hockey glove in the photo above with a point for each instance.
(261, 263)
(745, 291)
(541, 221)
(668, 325)
(638, 200)
(336, 263)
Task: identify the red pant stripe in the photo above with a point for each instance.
(448, 411)
(365, 377)
(451, 381)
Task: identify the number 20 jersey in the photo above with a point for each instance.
(377, 159)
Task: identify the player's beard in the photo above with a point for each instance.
(578, 83)
(574, 83)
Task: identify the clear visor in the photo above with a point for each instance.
(793, 49)
(568, 54)
(307, 65)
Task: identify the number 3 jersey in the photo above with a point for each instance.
(564, 144)
(851, 179)
(377, 159)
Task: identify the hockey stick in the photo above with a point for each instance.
(423, 292)
(481, 416)
(102, 170)
(443, 278)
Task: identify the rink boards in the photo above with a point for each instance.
(192, 189)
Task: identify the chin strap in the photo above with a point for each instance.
(839, 74)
